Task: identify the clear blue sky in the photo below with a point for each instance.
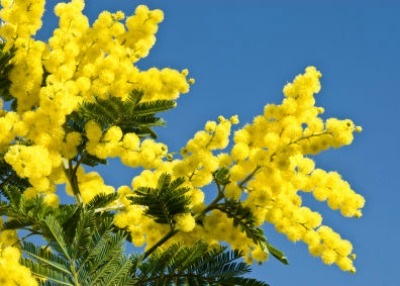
(242, 52)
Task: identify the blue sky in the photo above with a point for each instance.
(242, 53)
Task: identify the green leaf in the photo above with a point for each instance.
(91, 160)
(46, 257)
(243, 218)
(57, 234)
(278, 254)
(164, 202)
(10, 182)
(194, 265)
(102, 200)
(24, 212)
(5, 68)
(130, 115)
(103, 261)
(221, 176)
(52, 277)
(153, 107)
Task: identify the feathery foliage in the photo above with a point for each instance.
(194, 265)
(164, 202)
(221, 176)
(94, 255)
(5, 68)
(9, 178)
(130, 114)
(243, 219)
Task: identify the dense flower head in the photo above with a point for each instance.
(11, 272)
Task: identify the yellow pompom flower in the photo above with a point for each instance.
(113, 135)
(11, 271)
(185, 222)
(52, 200)
(233, 191)
(131, 141)
(210, 126)
(259, 255)
(29, 161)
(329, 256)
(197, 197)
(93, 131)
(225, 160)
(240, 151)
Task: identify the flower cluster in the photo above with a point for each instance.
(113, 143)
(79, 62)
(196, 166)
(269, 166)
(11, 271)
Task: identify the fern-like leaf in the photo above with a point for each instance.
(58, 241)
(130, 115)
(101, 200)
(243, 218)
(194, 265)
(46, 257)
(221, 176)
(164, 202)
(5, 68)
(9, 178)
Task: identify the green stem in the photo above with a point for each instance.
(73, 180)
(170, 234)
(249, 177)
(310, 136)
(19, 241)
(111, 208)
(76, 281)
(79, 162)
(212, 205)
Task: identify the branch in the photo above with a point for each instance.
(170, 234)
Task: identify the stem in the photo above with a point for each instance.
(73, 270)
(212, 205)
(111, 208)
(249, 177)
(79, 162)
(170, 234)
(73, 180)
(19, 241)
(310, 136)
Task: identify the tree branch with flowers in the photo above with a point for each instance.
(78, 99)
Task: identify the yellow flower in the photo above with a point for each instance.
(240, 151)
(185, 222)
(259, 254)
(52, 200)
(93, 131)
(11, 272)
